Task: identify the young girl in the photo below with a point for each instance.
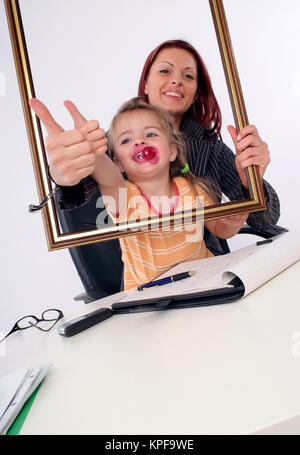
(145, 147)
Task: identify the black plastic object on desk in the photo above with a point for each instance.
(84, 322)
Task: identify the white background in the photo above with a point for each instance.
(92, 52)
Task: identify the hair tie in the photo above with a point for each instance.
(185, 169)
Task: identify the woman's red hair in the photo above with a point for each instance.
(205, 110)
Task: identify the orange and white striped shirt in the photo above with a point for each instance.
(148, 255)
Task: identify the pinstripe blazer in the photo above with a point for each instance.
(208, 157)
(211, 158)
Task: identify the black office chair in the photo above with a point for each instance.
(99, 264)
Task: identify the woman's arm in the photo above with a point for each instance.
(232, 187)
(211, 158)
(72, 197)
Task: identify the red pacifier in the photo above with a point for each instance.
(143, 153)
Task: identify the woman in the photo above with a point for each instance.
(174, 78)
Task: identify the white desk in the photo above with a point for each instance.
(226, 369)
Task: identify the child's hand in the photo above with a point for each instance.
(225, 228)
(235, 222)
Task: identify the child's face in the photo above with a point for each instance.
(141, 145)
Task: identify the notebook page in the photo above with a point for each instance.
(209, 275)
(267, 261)
(254, 265)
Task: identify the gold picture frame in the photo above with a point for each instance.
(57, 239)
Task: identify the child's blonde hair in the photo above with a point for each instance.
(174, 137)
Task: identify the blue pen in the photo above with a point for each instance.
(169, 279)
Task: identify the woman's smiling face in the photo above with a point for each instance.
(172, 81)
(141, 145)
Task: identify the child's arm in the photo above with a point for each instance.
(225, 228)
(110, 181)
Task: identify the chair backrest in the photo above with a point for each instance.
(99, 265)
